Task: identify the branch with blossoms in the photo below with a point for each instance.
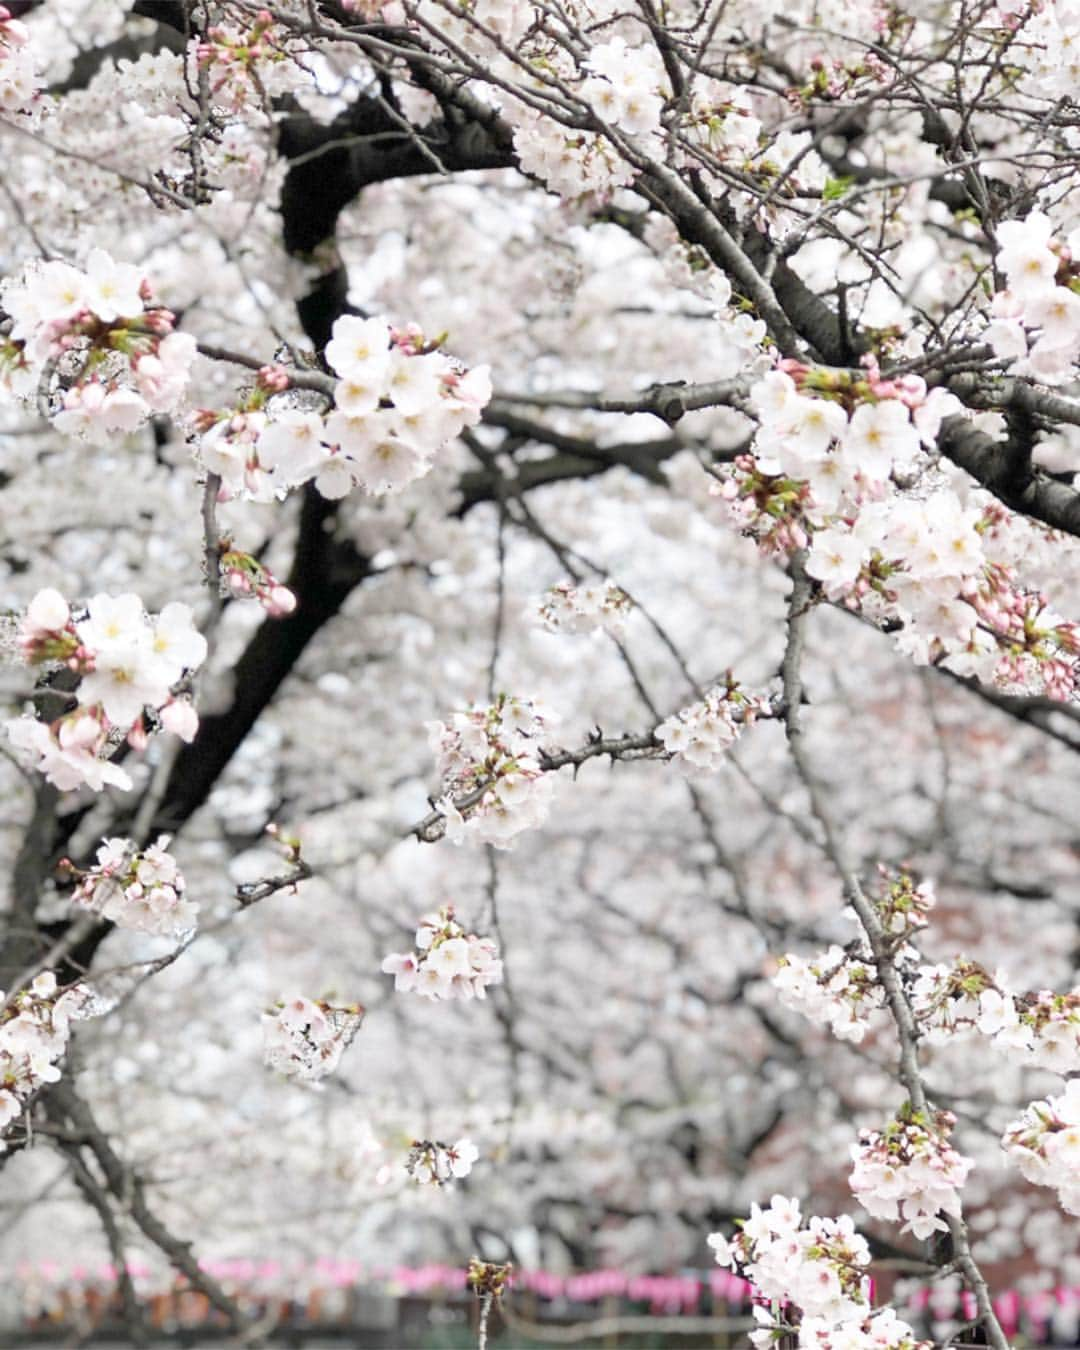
(884, 942)
(494, 769)
(841, 462)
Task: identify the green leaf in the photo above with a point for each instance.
(835, 188)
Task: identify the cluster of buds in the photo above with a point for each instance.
(244, 577)
(838, 988)
(141, 889)
(1037, 648)
(1045, 1144)
(489, 761)
(237, 59)
(909, 1170)
(447, 962)
(305, 1038)
(488, 1279)
(18, 67)
(768, 508)
(836, 78)
(902, 906)
(699, 737)
(567, 608)
(434, 1164)
(125, 663)
(848, 389)
(93, 347)
(34, 1030)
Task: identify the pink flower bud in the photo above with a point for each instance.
(159, 321)
(204, 419)
(239, 583)
(181, 719)
(280, 602)
(274, 378)
(80, 733)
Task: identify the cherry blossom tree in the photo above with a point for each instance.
(541, 653)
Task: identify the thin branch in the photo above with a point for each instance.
(433, 826)
(251, 893)
(799, 604)
(211, 537)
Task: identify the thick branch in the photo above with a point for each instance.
(128, 1188)
(1004, 468)
(98, 1198)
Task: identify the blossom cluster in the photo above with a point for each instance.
(398, 400)
(1036, 320)
(305, 1038)
(839, 467)
(880, 1330)
(1040, 1029)
(625, 85)
(34, 1029)
(838, 989)
(18, 66)
(137, 888)
(622, 85)
(909, 1170)
(434, 1164)
(721, 122)
(572, 163)
(699, 737)
(447, 962)
(820, 1268)
(1051, 37)
(1045, 1144)
(567, 608)
(92, 346)
(493, 784)
(126, 663)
